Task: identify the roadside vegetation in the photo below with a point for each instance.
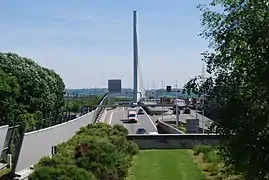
(237, 86)
(31, 96)
(164, 164)
(97, 151)
(208, 160)
(75, 104)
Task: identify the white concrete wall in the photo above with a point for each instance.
(3, 134)
(38, 144)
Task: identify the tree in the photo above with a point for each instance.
(34, 89)
(238, 86)
(30, 95)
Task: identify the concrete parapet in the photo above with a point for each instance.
(168, 128)
(38, 144)
(173, 141)
(3, 134)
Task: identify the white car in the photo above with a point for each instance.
(132, 116)
(153, 133)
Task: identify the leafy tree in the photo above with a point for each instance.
(238, 86)
(38, 89)
(30, 96)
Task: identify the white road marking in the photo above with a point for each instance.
(110, 119)
(152, 122)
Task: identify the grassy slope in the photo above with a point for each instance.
(164, 165)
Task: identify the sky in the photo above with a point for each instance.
(90, 41)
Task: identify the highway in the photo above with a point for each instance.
(119, 116)
(192, 115)
(168, 117)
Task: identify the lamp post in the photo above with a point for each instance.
(162, 98)
(177, 115)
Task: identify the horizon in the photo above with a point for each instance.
(88, 43)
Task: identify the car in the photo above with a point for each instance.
(141, 111)
(153, 133)
(133, 105)
(186, 111)
(132, 117)
(141, 131)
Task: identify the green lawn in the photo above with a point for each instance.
(164, 165)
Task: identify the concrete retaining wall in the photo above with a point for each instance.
(173, 141)
(3, 134)
(38, 144)
(168, 128)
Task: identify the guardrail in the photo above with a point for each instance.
(99, 110)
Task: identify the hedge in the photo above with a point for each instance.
(97, 151)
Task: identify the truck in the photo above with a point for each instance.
(132, 116)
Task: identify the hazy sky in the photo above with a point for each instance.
(90, 41)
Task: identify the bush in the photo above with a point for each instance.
(123, 145)
(120, 130)
(101, 157)
(210, 157)
(201, 149)
(97, 150)
(62, 172)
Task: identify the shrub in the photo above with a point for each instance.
(102, 158)
(120, 130)
(210, 157)
(123, 145)
(62, 172)
(99, 129)
(201, 149)
(97, 150)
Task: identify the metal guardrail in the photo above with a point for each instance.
(99, 109)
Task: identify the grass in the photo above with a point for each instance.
(164, 165)
(4, 172)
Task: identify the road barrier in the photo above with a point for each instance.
(173, 141)
(3, 135)
(98, 110)
(168, 128)
(37, 144)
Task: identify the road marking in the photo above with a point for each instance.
(112, 113)
(152, 122)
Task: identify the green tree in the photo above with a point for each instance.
(238, 86)
(30, 96)
(30, 88)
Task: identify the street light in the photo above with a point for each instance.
(177, 115)
(162, 98)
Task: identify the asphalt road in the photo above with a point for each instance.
(192, 115)
(119, 116)
(183, 117)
